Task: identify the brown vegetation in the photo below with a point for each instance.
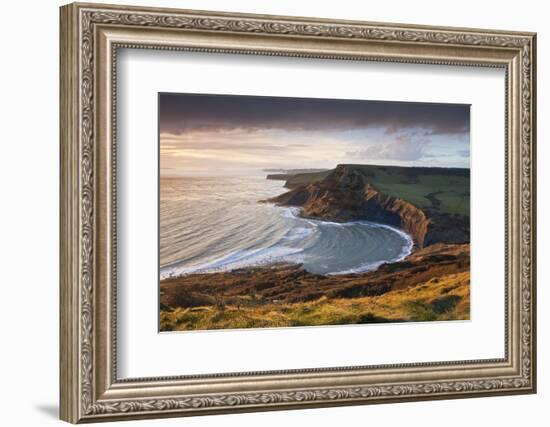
(431, 284)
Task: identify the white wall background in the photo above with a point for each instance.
(29, 170)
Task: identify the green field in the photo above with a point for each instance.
(436, 190)
(306, 178)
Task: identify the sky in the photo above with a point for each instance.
(210, 135)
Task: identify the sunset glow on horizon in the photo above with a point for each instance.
(231, 135)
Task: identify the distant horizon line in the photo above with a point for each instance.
(283, 170)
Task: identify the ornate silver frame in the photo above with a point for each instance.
(90, 36)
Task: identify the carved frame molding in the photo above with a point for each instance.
(90, 390)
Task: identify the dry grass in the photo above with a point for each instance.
(443, 298)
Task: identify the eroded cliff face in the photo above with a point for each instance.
(347, 194)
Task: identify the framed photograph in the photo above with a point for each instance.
(261, 228)
(265, 212)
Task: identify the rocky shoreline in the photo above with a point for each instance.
(348, 194)
(431, 283)
(291, 283)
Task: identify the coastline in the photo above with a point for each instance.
(428, 280)
(408, 249)
(278, 254)
(430, 284)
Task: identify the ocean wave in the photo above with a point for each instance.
(234, 231)
(290, 212)
(298, 233)
(238, 259)
(371, 266)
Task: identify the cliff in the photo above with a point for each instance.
(279, 176)
(352, 192)
(431, 284)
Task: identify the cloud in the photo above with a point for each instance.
(464, 153)
(234, 140)
(199, 151)
(398, 150)
(218, 150)
(401, 148)
(194, 112)
(299, 145)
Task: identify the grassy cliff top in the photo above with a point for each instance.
(436, 190)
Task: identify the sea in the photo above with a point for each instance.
(213, 224)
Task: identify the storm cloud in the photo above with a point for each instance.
(228, 134)
(186, 112)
